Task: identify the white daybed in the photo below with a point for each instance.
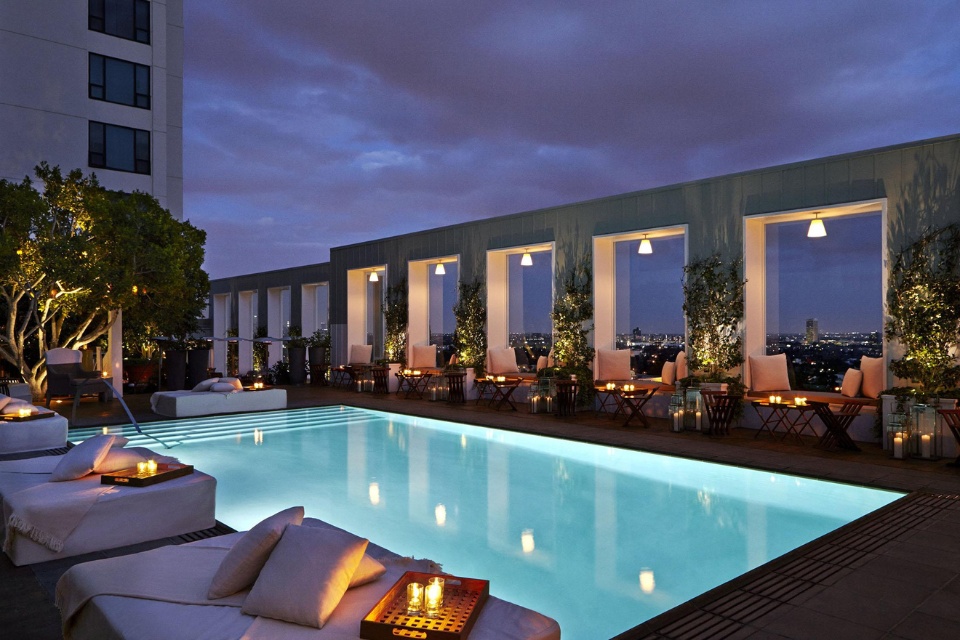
(83, 515)
(216, 395)
(49, 432)
(173, 604)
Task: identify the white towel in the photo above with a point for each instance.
(48, 513)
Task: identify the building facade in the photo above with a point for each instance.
(901, 190)
(95, 85)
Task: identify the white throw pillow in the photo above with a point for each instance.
(206, 384)
(82, 459)
(874, 380)
(119, 442)
(222, 387)
(118, 458)
(306, 575)
(370, 568)
(14, 405)
(669, 373)
(4, 400)
(682, 371)
(360, 353)
(234, 381)
(852, 380)
(423, 357)
(503, 361)
(242, 564)
(769, 373)
(613, 364)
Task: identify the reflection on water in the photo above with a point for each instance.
(600, 529)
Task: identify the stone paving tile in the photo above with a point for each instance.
(807, 624)
(942, 604)
(922, 626)
(908, 570)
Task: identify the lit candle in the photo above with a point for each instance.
(105, 374)
(437, 583)
(898, 447)
(773, 399)
(779, 399)
(151, 466)
(677, 421)
(141, 467)
(698, 416)
(414, 598)
(23, 413)
(925, 445)
(432, 597)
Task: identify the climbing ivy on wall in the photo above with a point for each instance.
(713, 304)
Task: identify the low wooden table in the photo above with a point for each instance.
(413, 383)
(784, 418)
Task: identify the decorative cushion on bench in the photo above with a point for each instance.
(873, 378)
(852, 380)
(423, 357)
(613, 364)
(769, 373)
(503, 361)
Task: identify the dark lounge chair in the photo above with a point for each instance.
(837, 424)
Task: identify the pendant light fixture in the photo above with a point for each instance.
(440, 271)
(374, 277)
(816, 230)
(645, 247)
(527, 259)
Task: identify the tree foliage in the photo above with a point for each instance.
(923, 302)
(572, 317)
(713, 305)
(396, 315)
(73, 252)
(470, 336)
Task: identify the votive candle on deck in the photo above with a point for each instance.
(414, 598)
(898, 447)
(925, 445)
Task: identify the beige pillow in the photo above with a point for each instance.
(118, 458)
(542, 363)
(82, 459)
(13, 405)
(360, 353)
(769, 373)
(423, 357)
(222, 387)
(669, 373)
(206, 384)
(613, 364)
(306, 575)
(682, 371)
(851, 383)
(242, 564)
(4, 400)
(233, 381)
(503, 361)
(370, 568)
(874, 380)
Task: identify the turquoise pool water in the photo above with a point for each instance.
(597, 537)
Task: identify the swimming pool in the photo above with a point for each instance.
(597, 537)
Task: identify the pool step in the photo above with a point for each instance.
(173, 432)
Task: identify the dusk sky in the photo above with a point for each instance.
(309, 125)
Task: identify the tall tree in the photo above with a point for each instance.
(73, 252)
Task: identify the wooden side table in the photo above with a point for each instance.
(567, 397)
(455, 380)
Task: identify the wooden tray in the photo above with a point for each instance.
(462, 600)
(131, 478)
(32, 416)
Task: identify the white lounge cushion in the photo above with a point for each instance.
(360, 353)
(769, 373)
(222, 387)
(682, 371)
(613, 364)
(669, 373)
(852, 380)
(423, 357)
(873, 376)
(503, 361)
(206, 384)
(242, 565)
(306, 575)
(118, 458)
(82, 459)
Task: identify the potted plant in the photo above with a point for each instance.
(572, 311)
(713, 305)
(318, 345)
(396, 317)
(175, 363)
(297, 355)
(470, 336)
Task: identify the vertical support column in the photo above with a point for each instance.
(418, 327)
(245, 329)
(114, 363)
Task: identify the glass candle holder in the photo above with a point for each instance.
(151, 466)
(414, 599)
(433, 597)
(141, 467)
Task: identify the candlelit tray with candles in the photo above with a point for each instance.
(14, 417)
(135, 478)
(463, 598)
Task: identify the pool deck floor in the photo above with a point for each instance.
(892, 574)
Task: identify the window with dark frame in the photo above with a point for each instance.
(119, 148)
(119, 81)
(129, 19)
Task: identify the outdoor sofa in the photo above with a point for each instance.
(47, 517)
(216, 395)
(285, 579)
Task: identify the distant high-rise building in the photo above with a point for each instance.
(95, 85)
(813, 331)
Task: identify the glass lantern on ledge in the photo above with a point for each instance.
(898, 425)
(676, 410)
(693, 410)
